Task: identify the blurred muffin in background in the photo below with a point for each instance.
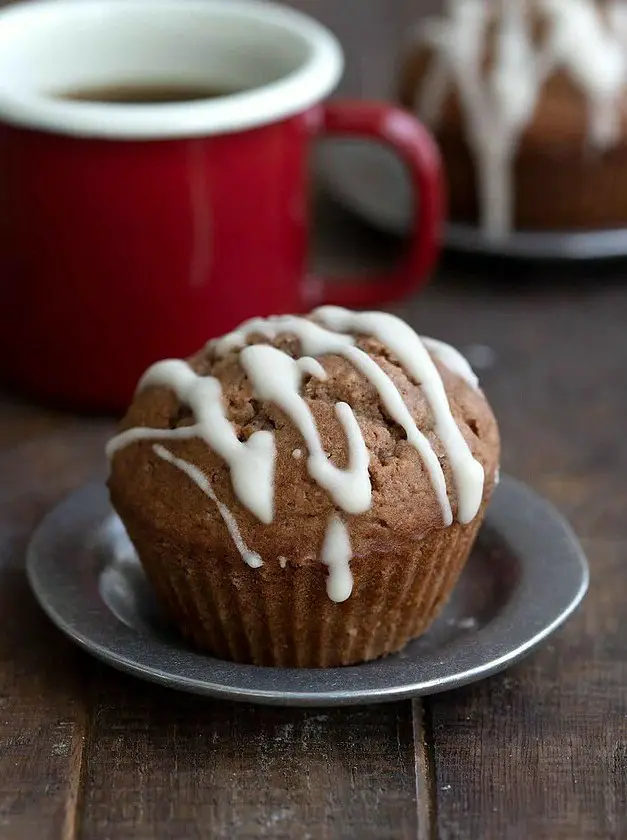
(527, 99)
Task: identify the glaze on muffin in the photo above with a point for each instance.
(305, 491)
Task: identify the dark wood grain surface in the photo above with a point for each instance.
(538, 752)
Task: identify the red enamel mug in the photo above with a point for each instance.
(131, 232)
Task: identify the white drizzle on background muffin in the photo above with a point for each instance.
(498, 106)
(276, 377)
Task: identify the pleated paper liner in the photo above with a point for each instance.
(279, 616)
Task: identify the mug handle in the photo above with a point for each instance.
(394, 127)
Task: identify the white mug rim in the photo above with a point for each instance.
(291, 94)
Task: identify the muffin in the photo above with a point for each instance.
(527, 99)
(305, 490)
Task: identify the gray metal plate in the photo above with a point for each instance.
(525, 576)
(372, 182)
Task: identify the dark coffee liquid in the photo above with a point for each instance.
(146, 94)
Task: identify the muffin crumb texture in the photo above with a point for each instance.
(305, 491)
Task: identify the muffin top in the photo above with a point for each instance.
(325, 437)
(546, 73)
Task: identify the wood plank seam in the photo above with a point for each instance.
(426, 792)
(74, 805)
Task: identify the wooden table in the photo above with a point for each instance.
(539, 752)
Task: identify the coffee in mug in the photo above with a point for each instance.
(141, 216)
(147, 93)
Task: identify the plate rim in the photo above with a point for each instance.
(577, 245)
(399, 688)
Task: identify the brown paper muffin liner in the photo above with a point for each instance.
(284, 617)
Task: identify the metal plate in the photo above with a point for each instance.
(526, 575)
(371, 181)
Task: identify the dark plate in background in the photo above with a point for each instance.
(369, 180)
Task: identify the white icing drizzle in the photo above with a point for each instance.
(398, 411)
(336, 554)
(499, 105)
(200, 479)
(452, 359)
(594, 57)
(616, 13)
(306, 364)
(251, 462)
(407, 346)
(277, 378)
(314, 339)
(398, 337)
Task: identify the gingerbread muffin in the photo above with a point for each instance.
(527, 99)
(305, 491)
